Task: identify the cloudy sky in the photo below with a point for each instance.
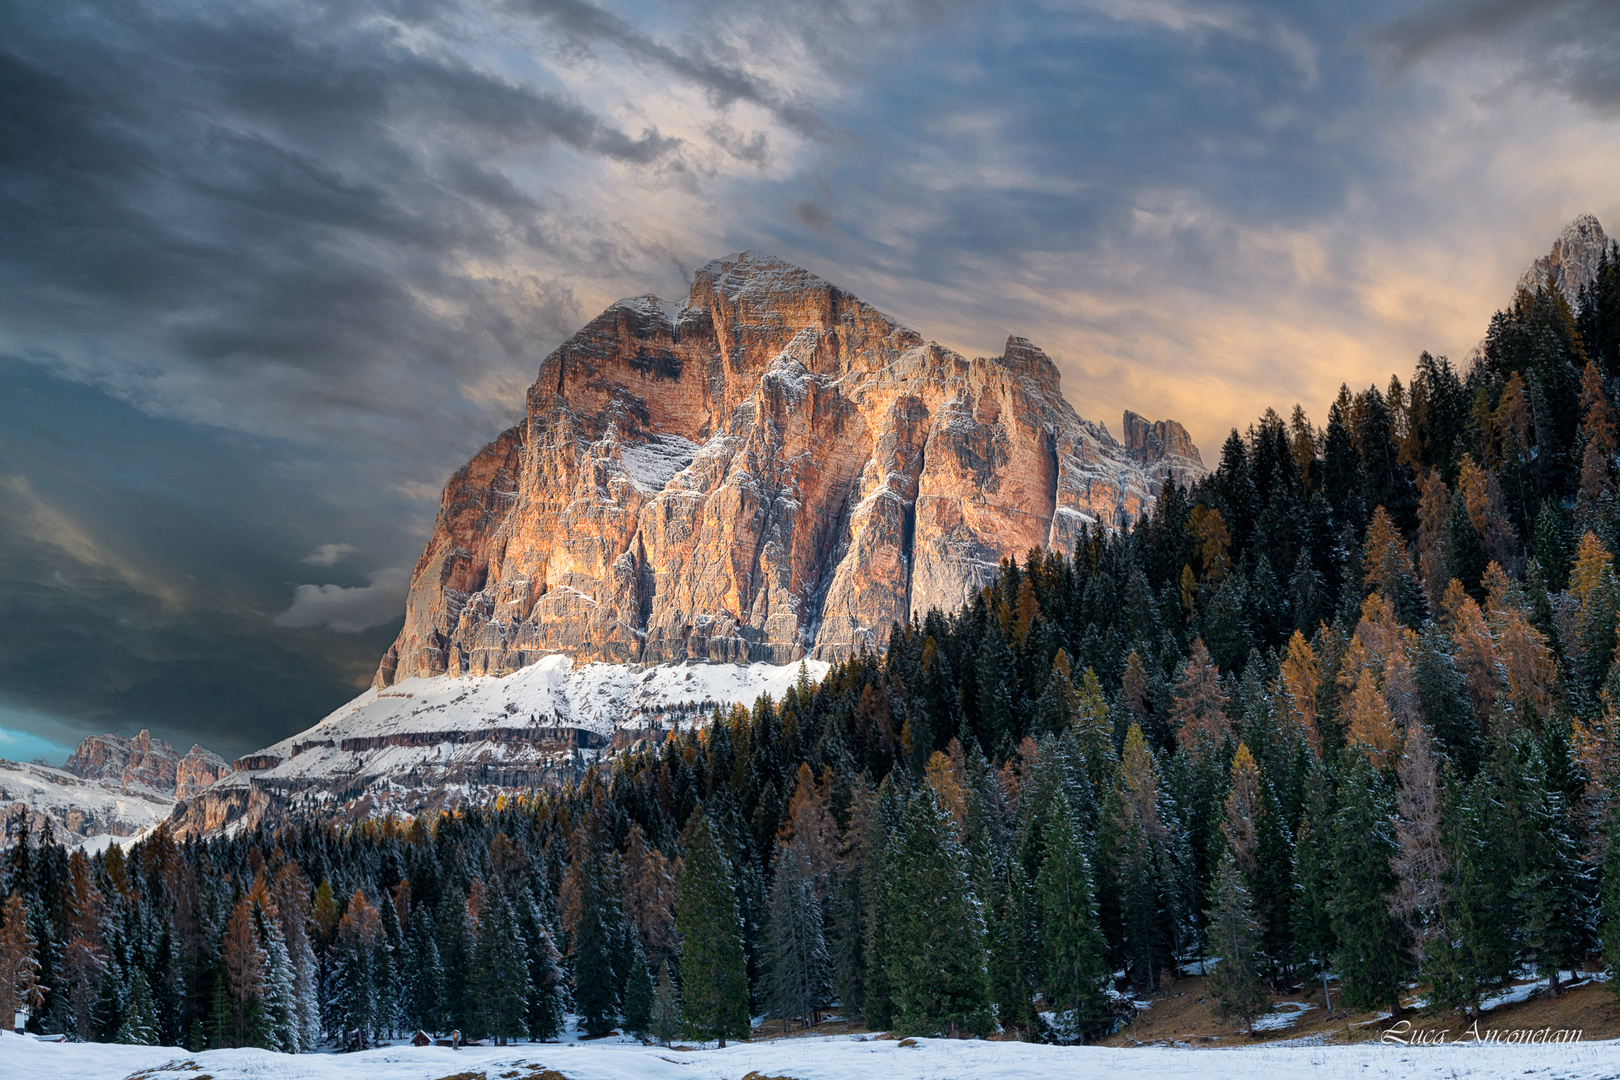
(270, 270)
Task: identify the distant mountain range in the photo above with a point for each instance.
(111, 787)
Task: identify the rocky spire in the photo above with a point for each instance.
(1572, 261)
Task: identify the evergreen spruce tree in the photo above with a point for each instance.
(997, 685)
(937, 966)
(277, 1027)
(1549, 890)
(1477, 956)
(877, 944)
(139, 1025)
(1144, 867)
(1011, 934)
(1611, 909)
(423, 988)
(596, 995)
(795, 946)
(456, 947)
(502, 962)
(638, 995)
(1371, 958)
(220, 1022)
(548, 987)
(1314, 943)
(1072, 948)
(666, 1014)
(714, 977)
(1236, 982)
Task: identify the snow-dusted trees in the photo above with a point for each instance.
(714, 977)
(1074, 965)
(84, 959)
(19, 967)
(501, 961)
(1237, 984)
(1372, 959)
(291, 897)
(359, 964)
(1146, 868)
(937, 967)
(795, 943)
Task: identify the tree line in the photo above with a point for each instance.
(1346, 705)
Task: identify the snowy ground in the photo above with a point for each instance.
(815, 1059)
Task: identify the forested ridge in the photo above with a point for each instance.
(1346, 706)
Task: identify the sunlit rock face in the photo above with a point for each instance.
(769, 470)
(1573, 261)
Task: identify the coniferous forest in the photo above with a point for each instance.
(1346, 706)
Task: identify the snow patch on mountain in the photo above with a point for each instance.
(444, 740)
(654, 463)
(552, 692)
(87, 813)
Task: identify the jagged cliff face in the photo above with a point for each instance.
(771, 470)
(146, 762)
(1573, 261)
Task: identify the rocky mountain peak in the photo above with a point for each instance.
(1573, 260)
(1152, 441)
(772, 470)
(146, 762)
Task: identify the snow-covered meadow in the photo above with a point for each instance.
(831, 1058)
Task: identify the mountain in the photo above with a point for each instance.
(770, 471)
(148, 762)
(111, 787)
(1573, 260)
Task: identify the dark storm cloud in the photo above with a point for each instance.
(1056, 134)
(1570, 45)
(142, 560)
(240, 176)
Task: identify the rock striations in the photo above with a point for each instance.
(771, 470)
(146, 762)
